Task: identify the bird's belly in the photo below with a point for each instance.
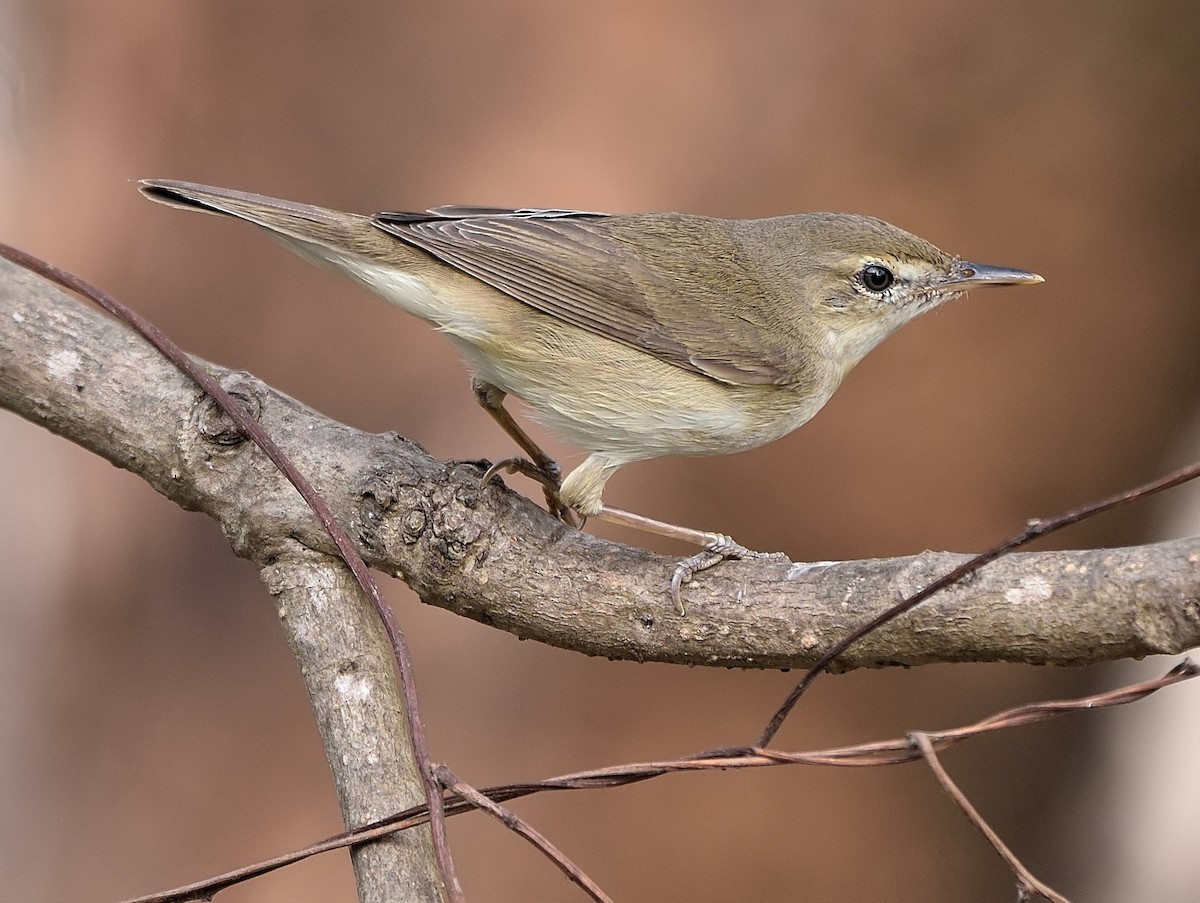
(604, 396)
(593, 392)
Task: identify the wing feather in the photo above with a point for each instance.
(614, 276)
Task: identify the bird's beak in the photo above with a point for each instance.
(966, 275)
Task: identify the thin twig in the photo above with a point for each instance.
(1034, 529)
(255, 431)
(1027, 882)
(514, 823)
(884, 752)
(869, 754)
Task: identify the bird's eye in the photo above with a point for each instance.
(876, 277)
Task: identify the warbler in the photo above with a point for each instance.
(633, 335)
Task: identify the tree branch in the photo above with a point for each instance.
(344, 659)
(492, 555)
(342, 641)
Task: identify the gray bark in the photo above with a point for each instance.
(490, 554)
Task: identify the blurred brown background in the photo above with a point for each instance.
(152, 727)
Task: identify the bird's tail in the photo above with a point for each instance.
(325, 236)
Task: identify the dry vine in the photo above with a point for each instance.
(1173, 627)
(883, 752)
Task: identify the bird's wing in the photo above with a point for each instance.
(673, 292)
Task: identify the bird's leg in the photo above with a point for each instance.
(538, 466)
(717, 547)
(583, 490)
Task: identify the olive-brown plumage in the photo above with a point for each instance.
(632, 336)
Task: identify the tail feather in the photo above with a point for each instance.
(271, 213)
(324, 236)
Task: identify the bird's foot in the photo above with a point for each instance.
(549, 474)
(717, 548)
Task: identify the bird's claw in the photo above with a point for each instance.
(718, 548)
(525, 468)
(549, 474)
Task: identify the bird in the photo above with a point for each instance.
(631, 336)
